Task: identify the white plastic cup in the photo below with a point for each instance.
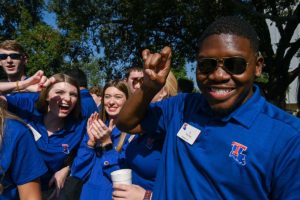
(122, 176)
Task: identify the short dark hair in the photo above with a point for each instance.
(77, 74)
(232, 25)
(131, 69)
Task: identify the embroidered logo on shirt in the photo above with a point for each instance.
(66, 149)
(237, 153)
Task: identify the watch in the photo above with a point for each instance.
(106, 147)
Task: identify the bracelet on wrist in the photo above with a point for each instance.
(106, 147)
(17, 86)
(148, 195)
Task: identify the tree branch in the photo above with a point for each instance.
(294, 74)
(250, 11)
(289, 30)
(292, 51)
(275, 13)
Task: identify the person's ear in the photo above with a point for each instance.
(259, 66)
(24, 59)
(163, 93)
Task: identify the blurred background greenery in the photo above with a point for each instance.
(104, 37)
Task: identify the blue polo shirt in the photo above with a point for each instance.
(88, 105)
(143, 154)
(56, 149)
(94, 166)
(20, 161)
(253, 153)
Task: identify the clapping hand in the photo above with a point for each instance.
(98, 131)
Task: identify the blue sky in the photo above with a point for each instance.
(50, 19)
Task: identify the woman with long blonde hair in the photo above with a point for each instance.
(20, 162)
(54, 116)
(143, 155)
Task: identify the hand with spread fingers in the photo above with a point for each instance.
(98, 131)
(34, 83)
(156, 67)
(37, 82)
(156, 70)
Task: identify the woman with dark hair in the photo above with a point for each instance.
(54, 116)
(18, 157)
(101, 151)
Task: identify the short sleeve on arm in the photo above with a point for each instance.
(159, 114)
(27, 164)
(22, 104)
(153, 121)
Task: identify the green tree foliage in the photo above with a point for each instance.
(109, 35)
(44, 47)
(48, 49)
(124, 28)
(93, 71)
(285, 15)
(21, 20)
(11, 13)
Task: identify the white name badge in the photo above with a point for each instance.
(188, 133)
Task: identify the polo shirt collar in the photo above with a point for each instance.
(247, 113)
(84, 92)
(70, 126)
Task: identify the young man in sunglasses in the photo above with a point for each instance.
(13, 60)
(227, 142)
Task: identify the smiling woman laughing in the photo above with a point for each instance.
(54, 116)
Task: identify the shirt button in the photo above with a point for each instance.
(106, 163)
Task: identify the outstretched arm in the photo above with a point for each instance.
(35, 83)
(156, 69)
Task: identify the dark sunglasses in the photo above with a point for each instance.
(15, 56)
(232, 65)
(137, 80)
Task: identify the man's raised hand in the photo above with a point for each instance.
(156, 67)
